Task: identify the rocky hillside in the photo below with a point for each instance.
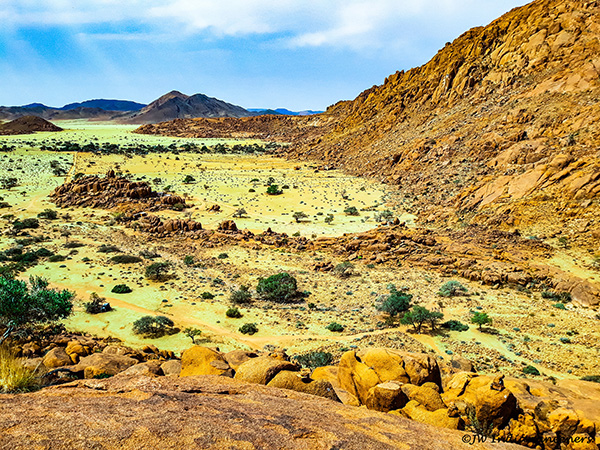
(175, 105)
(500, 127)
(27, 125)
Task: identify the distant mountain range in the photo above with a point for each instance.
(173, 105)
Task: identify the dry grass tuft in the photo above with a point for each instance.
(14, 376)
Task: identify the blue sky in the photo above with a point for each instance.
(297, 54)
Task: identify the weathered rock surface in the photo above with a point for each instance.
(286, 379)
(207, 412)
(103, 364)
(263, 369)
(199, 360)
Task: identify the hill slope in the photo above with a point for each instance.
(107, 105)
(175, 105)
(27, 125)
(501, 126)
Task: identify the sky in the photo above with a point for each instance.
(295, 54)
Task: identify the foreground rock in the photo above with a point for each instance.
(209, 413)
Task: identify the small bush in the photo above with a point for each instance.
(207, 296)
(530, 370)
(125, 259)
(559, 306)
(312, 360)
(108, 249)
(223, 256)
(452, 288)
(97, 305)
(274, 190)
(395, 303)
(44, 252)
(157, 271)
(455, 325)
(121, 289)
(335, 327)
(384, 216)
(248, 328)
(564, 297)
(351, 211)
(73, 244)
(26, 223)
(14, 377)
(592, 378)
(154, 326)
(343, 270)
(56, 258)
(280, 288)
(233, 313)
(48, 214)
(192, 333)
(241, 296)
(188, 260)
(178, 207)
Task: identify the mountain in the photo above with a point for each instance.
(175, 105)
(106, 105)
(283, 111)
(27, 125)
(501, 128)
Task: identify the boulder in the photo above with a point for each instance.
(427, 396)
(236, 358)
(439, 418)
(386, 397)
(362, 370)
(330, 374)
(293, 381)
(103, 364)
(171, 367)
(263, 369)
(76, 350)
(57, 357)
(199, 360)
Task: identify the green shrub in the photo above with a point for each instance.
(335, 327)
(188, 260)
(192, 333)
(207, 296)
(248, 328)
(188, 179)
(480, 319)
(418, 315)
(351, 211)
(395, 303)
(121, 289)
(530, 370)
(241, 296)
(559, 306)
(178, 207)
(274, 190)
(158, 271)
(223, 256)
(97, 305)
(233, 313)
(26, 223)
(343, 270)
(48, 214)
(452, 288)
(56, 258)
(154, 326)
(564, 297)
(455, 325)
(315, 359)
(44, 252)
(280, 288)
(108, 249)
(125, 259)
(592, 378)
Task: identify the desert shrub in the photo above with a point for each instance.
(23, 305)
(248, 328)
(188, 260)
(299, 215)
(104, 248)
(207, 296)
(452, 288)
(149, 254)
(125, 259)
(97, 305)
(189, 179)
(328, 219)
(343, 270)
(241, 296)
(178, 207)
(121, 289)
(223, 256)
(73, 244)
(44, 252)
(455, 325)
(384, 216)
(592, 378)
(280, 288)
(157, 271)
(8, 182)
(57, 258)
(233, 313)
(351, 211)
(48, 214)
(395, 303)
(273, 189)
(418, 315)
(4, 205)
(559, 306)
(14, 377)
(335, 327)
(530, 370)
(315, 359)
(154, 326)
(564, 297)
(26, 223)
(241, 212)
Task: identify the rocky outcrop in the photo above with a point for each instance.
(27, 125)
(199, 360)
(110, 192)
(208, 412)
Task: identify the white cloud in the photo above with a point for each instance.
(357, 24)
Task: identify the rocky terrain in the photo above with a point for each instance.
(27, 125)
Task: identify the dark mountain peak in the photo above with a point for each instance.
(27, 125)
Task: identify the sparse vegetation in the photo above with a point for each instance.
(97, 305)
(419, 315)
(14, 377)
(298, 215)
(351, 211)
(279, 288)
(121, 289)
(531, 370)
(480, 319)
(397, 302)
(207, 296)
(241, 296)
(455, 325)
(452, 288)
(335, 327)
(125, 259)
(48, 214)
(312, 360)
(248, 328)
(158, 271)
(273, 189)
(343, 270)
(192, 333)
(233, 313)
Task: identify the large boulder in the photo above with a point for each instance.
(386, 397)
(236, 358)
(263, 369)
(77, 350)
(103, 364)
(330, 374)
(57, 357)
(425, 395)
(199, 360)
(439, 418)
(359, 371)
(171, 367)
(293, 381)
